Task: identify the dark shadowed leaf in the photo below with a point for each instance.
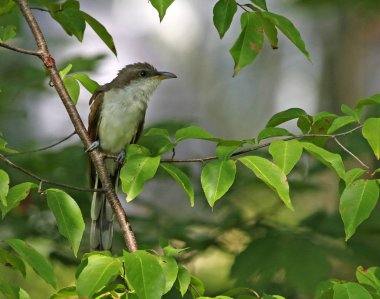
(7, 33)
(224, 11)
(31, 256)
(13, 292)
(284, 116)
(273, 132)
(12, 261)
(373, 100)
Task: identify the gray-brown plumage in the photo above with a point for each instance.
(116, 119)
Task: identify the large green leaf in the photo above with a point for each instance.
(136, 172)
(373, 100)
(7, 33)
(369, 276)
(287, 28)
(371, 132)
(13, 292)
(250, 41)
(12, 261)
(170, 268)
(98, 272)
(101, 31)
(217, 178)
(353, 174)
(184, 278)
(68, 216)
(271, 33)
(86, 81)
(331, 160)
(356, 204)
(181, 178)
(157, 140)
(289, 114)
(193, 132)
(73, 88)
(69, 16)
(350, 290)
(340, 122)
(31, 256)
(4, 188)
(272, 132)
(286, 154)
(16, 194)
(224, 11)
(271, 175)
(161, 6)
(144, 274)
(260, 3)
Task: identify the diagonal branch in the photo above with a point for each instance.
(96, 156)
(44, 181)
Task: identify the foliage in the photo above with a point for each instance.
(148, 274)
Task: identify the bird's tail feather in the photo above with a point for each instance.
(101, 221)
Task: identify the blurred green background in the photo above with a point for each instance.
(249, 239)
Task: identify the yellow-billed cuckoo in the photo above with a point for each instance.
(116, 119)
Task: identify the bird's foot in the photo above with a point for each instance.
(121, 157)
(93, 146)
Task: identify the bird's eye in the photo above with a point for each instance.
(142, 73)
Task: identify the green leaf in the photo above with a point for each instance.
(7, 33)
(69, 16)
(64, 293)
(197, 288)
(249, 43)
(4, 188)
(86, 81)
(350, 290)
(13, 292)
(224, 11)
(3, 145)
(373, 100)
(68, 216)
(136, 172)
(63, 73)
(273, 297)
(170, 268)
(272, 132)
(101, 31)
(271, 175)
(271, 32)
(31, 256)
(353, 174)
(144, 274)
(193, 132)
(290, 31)
(181, 178)
(285, 154)
(184, 278)
(161, 6)
(284, 116)
(331, 160)
(224, 152)
(356, 204)
(355, 113)
(98, 272)
(370, 277)
(172, 251)
(16, 194)
(72, 87)
(260, 3)
(12, 261)
(371, 132)
(158, 141)
(340, 122)
(6, 6)
(217, 178)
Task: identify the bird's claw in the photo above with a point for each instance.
(121, 157)
(93, 146)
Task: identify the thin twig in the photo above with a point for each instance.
(40, 9)
(351, 153)
(42, 148)
(242, 7)
(96, 156)
(20, 50)
(44, 181)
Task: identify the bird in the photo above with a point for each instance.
(116, 119)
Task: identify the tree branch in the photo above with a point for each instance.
(96, 156)
(351, 153)
(20, 50)
(44, 181)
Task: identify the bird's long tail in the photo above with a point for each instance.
(101, 221)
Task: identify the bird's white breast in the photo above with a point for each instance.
(122, 111)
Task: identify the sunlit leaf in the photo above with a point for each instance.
(181, 178)
(353, 174)
(350, 290)
(184, 278)
(161, 6)
(217, 178)
(31, 256)
(285, 154)
(4, 188)
(170, 268)
(72, 87)
(290, 31)
(340, 122)
(250, 41)
(371, 132)
(224, 11)
(86, 81)
(193, 132)
(271, 175)
(98, 272)
(63, 73)
(68, 216)
(136, 172)
(369, 276)
(356, 204)
(64, 293)
(224, 152)
(101, 31)
(144, 274)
